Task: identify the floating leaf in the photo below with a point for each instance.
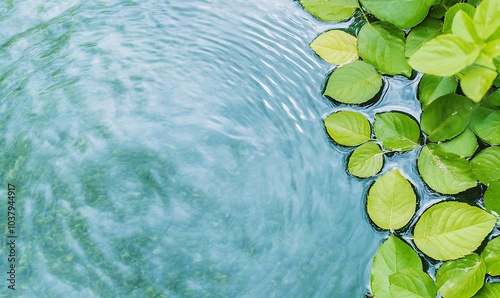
(422, 33)
(404, 14)
(486, 165)
(366, 160)
(396, 131)
(462, 26)
(444, 55)
(391, 201)
(451, 230)
(492, 197)
(476, 81)
(464, 144)
(461, 278)
(392, 256)
(485, 124)
(412, 283)
(486, 18)
(336, 47)
(491, 257)
(348, 128)
(353, 83)
(382, 45)
(446, 117)
(330, 10)
(450, 14)
(489, 291)
(432, 87)
(445, 172)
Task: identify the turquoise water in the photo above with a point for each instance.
(175, 149)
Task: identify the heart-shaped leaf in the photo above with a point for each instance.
(382, 45)
(485, 123)
(486, 165)
(392, 256)
(476, 81)
(391, 201)
(461, 278)
(486, 18)
(330, 10)
(412, 283)
(489, 291)
(491, 257)
(463, 145)
(404, 14)
(451, 230)
(354, 83)
(446, 117)
(492, 197)
(336, 47)
(366, 160)
(348, 128)
(445, 172)
(422, 33)
(396, 131)
(432, 87)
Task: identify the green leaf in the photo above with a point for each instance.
(382, 45)
(474, 2)
(422, 33)
(476, 81)
(412, 283)
(445, 172)
(391, 201)
(494, 97)
(336, 47)
(391, 257)
(463, 26)
(444, 55)
(489, 291)
(491, 257)
(396, 131)
(348, 128)
(486, 164)
(330, 10)
(461, 278)
(404, 14)
(354, 83)
(450, 14)
(446, 117)
(451, 230)
(486, 18)
(464, 144)
(492, 48)
(492, 197)
(432, 87)
(366, 160)
(485, 124)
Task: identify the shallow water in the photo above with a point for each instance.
(176, 148)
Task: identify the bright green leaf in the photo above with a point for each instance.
(489, 291)
(366, 160)
(464, 144)
(396, 131)
(330, 10)
(461, 278)
(348, 128)
(444, 55)
(476, 81)
(451, 230)
(391, 201)
(450, 14)
(382, 45)
(404, 14)
(336, 47)
(494, 97)
(491, 257)
(486, 164)
(445, 172)
(446, 117)
(432, 87)
(353, 83)
(462, 26)
(422, 33)
(412, 283)
(486, 18)
(492, 197)
(391, 257)
(485, 124)
(492, 48)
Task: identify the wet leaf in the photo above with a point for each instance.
(366, 160)
(463, 145)
(330, 10)
(412, 283)
(336, 47)
(461, 278)
(404, 14)
(396, 131)
(491, 257)
(422, 33)
(486, 164)
(492, 196)
(485, 124)
(348, 128)
(432, 87)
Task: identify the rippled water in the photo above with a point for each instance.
(175, 148)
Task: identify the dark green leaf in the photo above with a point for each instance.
(422, 33)
(432, 87)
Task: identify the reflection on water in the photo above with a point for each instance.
(175, 148)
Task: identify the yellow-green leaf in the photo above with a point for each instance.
(348, 128)
(461, 278)
(491, 257)
(486, 18)
(366, 160)
(330, 10)
(476, 81)
(336, 47)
